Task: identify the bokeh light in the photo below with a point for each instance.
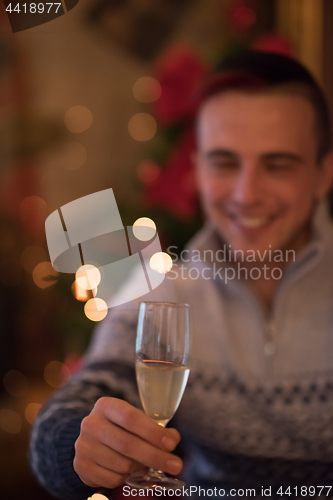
(147, 89)
(142, 127)
(32, 208)
(31, 256)
(75, 155)
(44, 275)
(144, 229)
(96, 309)
(88, 277)
(148, 171)
(82, 294)
(31, 412)
(244, 16)
(98, 496)
(10, 421)
(78, 119)
(161, 262)
(55, 373)
(15, 383)
(10, 272)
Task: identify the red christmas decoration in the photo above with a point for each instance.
(241, 16)
(172, 187)
(179, 73)
(174, 190)
(276, 43)
(74, 362)
(148, 171)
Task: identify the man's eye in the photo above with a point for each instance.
(224, 166)
(280, 167)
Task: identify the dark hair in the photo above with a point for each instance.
(261, 71)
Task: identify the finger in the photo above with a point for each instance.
(137, 422)
(138, 467)
(175, 434)
(141, 472)
(105, 478)
(134, 447)
(105, 457)
(94, 475)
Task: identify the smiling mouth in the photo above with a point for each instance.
(250, 222)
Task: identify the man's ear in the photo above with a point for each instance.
(326, 178)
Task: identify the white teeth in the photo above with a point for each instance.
(252, 222)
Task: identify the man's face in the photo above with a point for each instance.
(257, 169)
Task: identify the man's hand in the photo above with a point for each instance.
(117, 439)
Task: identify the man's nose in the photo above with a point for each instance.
(247, 187)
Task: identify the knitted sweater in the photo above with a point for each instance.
(258, 407)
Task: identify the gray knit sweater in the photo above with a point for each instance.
(258, 408)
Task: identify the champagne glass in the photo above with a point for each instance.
(162, 350)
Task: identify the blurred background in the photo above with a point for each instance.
(98, 99)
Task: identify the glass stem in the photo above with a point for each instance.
(154, 473)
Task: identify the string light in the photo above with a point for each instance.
(147, 89)
(78, 119)
(97, 496)
(55, 373)
(44, 275)
(31, 412)
(161, 262)
(88, 277)
(96, 309)
(148, 171)
(245, 16)
(142, 127)
(82, 294)
(144, 229)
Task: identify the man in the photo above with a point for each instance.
(258, 408)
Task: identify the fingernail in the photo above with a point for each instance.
(168, 443)
(174, 466)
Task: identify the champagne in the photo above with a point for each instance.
(162, 340)
(161, 386)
